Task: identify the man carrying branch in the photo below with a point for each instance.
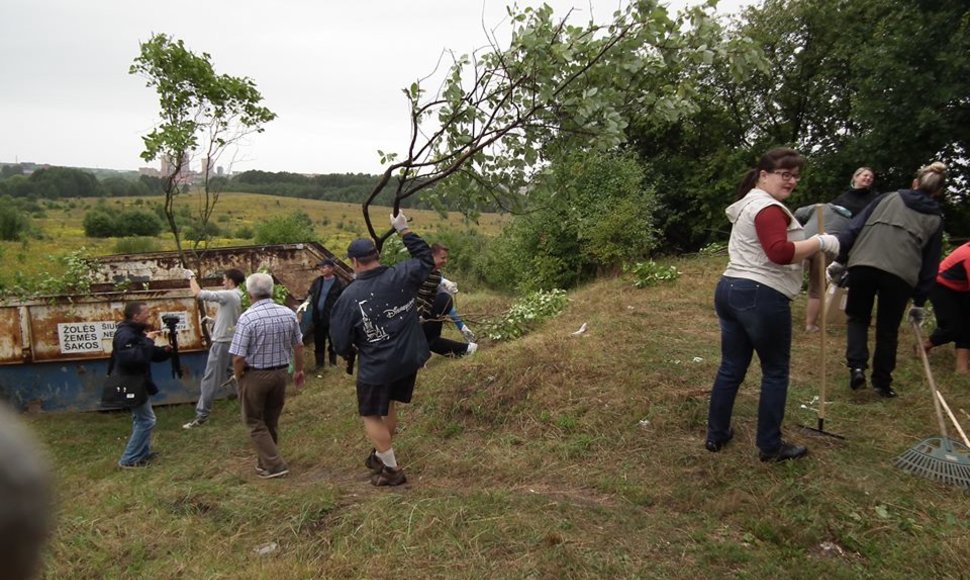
(377, 316)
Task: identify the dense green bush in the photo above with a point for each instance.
(101, 222)
(136, 245)
(196, 232)
(14, 221)
(591, 217)
(98, 223)
(286, 229)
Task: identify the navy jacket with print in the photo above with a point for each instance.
(377, 314)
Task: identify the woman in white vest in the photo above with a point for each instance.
(753, 300)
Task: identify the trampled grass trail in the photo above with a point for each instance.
(549, 456)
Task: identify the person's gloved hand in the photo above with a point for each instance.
(468, 334)
(188, 274)
(449, 286)
(303, 307)
(836, 274)
(917, 314)
(399, 222)
(829, 244)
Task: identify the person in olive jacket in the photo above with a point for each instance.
(892, 251)
(133, 352)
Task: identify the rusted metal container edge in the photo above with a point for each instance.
(54, 350)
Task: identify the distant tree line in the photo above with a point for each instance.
(58, 182)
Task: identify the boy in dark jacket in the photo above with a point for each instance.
(377, 316)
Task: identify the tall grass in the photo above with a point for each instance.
(549, 456)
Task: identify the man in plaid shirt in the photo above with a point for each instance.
(266, 336)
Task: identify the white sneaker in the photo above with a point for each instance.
(194, 423)
(472, 347)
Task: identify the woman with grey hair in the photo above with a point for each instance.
(892, 250)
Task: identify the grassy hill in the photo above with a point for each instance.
(336, 225)
(550, 456)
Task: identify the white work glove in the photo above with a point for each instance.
(917, 314)
(399, 222)
(449, 286)
(302, 307)
(836, 274)
(468, 334)
(829, 244)
(188, 274)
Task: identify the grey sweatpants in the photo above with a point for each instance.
(218, 369)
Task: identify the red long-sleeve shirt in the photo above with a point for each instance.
(771, 224)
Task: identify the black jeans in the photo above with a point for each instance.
(865, 283)
(321, 344)
(952, 310)
(432, 328)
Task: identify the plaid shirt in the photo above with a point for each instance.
(266, 335)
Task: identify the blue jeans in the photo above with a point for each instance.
(754, 318)
(142, 425)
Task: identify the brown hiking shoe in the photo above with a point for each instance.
(373, 462)
(389, 476)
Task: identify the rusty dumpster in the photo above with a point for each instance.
(54, 350)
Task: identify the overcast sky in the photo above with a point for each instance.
(332, 71)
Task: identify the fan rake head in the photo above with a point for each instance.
(939, 459)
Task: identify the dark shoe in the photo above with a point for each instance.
(373, 462)
(885, 392)
(784, 453)
(152, 456)
(715, 446)
(857, 378)
(267, 474)
(389, 476)
(135, 465)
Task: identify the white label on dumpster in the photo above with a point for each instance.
(87, 336)
(79, 337)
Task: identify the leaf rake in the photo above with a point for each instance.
(936, 458)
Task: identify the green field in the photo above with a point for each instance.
(336, 224)
(550, 456)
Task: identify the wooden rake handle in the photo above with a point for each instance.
(929, 377)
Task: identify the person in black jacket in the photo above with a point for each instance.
(377, 316)
(323, 295)
(133, 351)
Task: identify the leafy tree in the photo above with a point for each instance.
(848, 83)
(200, 111)
(502, 113)
(286, 229)
(120, 187)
